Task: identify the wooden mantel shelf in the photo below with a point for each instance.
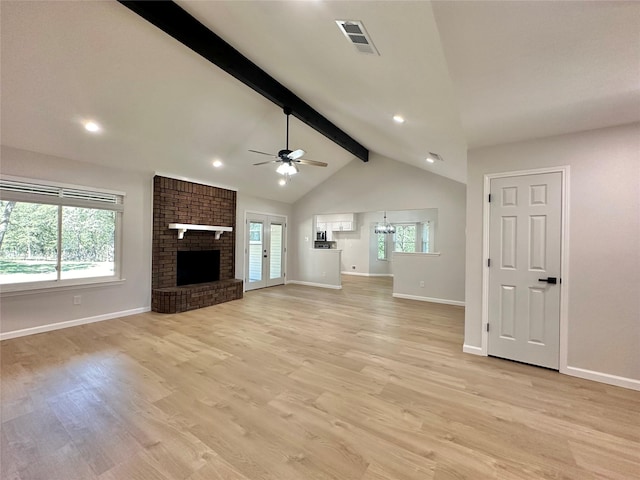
(183, 227)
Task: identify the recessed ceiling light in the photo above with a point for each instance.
(282, 182)
(398, 118)
(92, 127)
(217, 163)
(432, 157)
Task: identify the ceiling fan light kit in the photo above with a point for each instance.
(287, 169)
(288, 159)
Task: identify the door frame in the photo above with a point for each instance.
(564, 255)
(244, 243)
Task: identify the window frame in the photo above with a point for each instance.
(425, 237)
(68, 195)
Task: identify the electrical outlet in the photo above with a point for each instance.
(324, 274)
(77, 299)
(421, 283)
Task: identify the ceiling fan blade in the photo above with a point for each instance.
(302, 161)
(296, 154)
(263, 153)
(269, 161)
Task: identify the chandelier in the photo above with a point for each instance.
(385, 227)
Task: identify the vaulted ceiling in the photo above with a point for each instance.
(460, 73)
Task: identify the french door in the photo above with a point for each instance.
(265, 250)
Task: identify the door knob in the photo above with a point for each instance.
(551, 280)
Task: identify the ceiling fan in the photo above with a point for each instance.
(288, 159)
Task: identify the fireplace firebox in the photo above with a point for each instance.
(198, 266)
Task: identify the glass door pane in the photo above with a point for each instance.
(256, 241)
(275, 267)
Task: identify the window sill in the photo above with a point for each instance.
(35, 288)
(424, 254)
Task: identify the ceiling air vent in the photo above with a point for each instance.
(356, 33)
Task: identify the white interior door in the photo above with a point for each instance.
(265, 251)
(524, 252)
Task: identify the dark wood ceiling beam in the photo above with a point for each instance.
(176, 22)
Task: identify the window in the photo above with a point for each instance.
(382, 246)
(404, 240)
(52, 234)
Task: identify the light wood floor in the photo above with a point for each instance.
(301, 383)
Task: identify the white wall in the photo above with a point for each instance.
(246, 203)
(320, 268)
(25, 311)
(356, 188)
(427, 277)
(604, 241)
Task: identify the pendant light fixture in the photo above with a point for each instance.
(385, 227)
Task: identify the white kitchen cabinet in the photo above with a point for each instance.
(336, 222)
(342, 226)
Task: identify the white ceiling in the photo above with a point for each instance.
(533, 69)
(300, 44)
(461, 73)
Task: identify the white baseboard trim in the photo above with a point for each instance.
(312, 284)
(471, 349)
(607, 378)
(358, 274)
(71, 323)
(429, 299)
(602, 377)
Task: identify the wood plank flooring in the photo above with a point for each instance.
(300, 383)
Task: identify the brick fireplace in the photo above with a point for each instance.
(178, 201)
